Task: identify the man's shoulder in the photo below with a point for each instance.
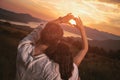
(42, 25)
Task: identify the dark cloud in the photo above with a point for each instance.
(111, 1)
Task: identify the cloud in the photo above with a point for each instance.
(116, 2)
(110, 12)
(102, 14)
(111, 1)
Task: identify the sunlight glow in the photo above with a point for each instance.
(72, 22)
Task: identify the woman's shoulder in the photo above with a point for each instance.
(75, 66)
(75, 75)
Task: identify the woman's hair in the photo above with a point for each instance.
(51, 34)
(61, 55)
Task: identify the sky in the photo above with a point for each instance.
(103, 15)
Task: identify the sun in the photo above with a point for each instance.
(72, 22)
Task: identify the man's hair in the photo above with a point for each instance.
(51, 34)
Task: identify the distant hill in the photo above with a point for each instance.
(100, 35)
(92, 33)
(17, 17)
(105, 44)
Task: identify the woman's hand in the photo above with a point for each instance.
(79, 23)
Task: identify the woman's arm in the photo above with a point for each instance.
(81, 54)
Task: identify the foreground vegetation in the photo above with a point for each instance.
(97, 65)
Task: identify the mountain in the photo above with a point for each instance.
(106, 44)
(92, 33)
(100, 35)
(17, 17)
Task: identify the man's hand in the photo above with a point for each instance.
(66, 18)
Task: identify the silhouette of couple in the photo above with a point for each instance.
(42, 55)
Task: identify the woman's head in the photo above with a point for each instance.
(51, 34)
(61, 54)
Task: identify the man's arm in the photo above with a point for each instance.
(26, 46)
(64, 19)
(81, 54)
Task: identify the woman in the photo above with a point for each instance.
(63, 59)
(40, 53)
(61, 55)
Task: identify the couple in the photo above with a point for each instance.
(42, 55)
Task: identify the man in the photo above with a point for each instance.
(32, 64)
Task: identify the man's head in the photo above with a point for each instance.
(51, 34)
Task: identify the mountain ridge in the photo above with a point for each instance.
(92, 33)
(17, 17)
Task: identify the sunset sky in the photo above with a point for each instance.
(103, 15)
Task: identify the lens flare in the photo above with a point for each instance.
(72, 22)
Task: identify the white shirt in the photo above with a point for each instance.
(37, 67)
